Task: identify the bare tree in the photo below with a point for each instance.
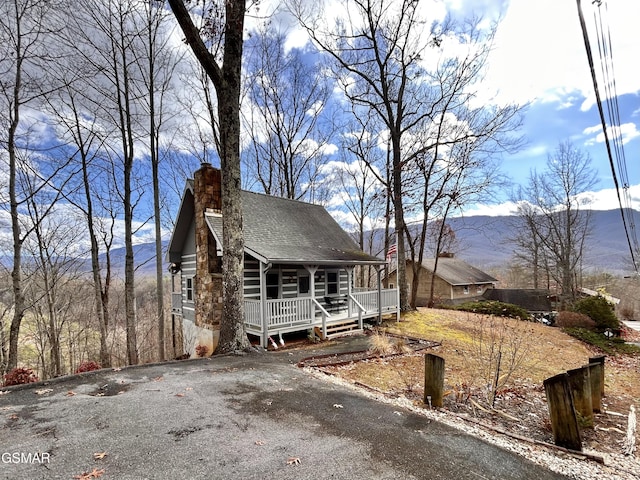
(361, 191)
(553, 210)
(157, 66)
(376, 51)
(24, 55)
(107, 38)
(382, 51)
(224, 69)
(54, 253)
(289, 122)
(90, 191)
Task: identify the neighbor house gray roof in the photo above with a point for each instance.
(280, 230)
(533, 300)
(458, 272)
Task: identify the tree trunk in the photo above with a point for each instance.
(232, 331)
(16, 273)
(399, 219)
(227, 82)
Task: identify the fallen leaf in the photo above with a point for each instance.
(179, 394)
(99, 456)
(337, 405)
(43, 391)
(116, 369)
(293, 461)
(189, 388)
(70, 393)
(158, 379)
(259, 443)
(95, 473)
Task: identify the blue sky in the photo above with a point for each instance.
(539, 59)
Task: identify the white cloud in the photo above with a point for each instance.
(626, 132)
(540, 53)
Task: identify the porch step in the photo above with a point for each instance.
(338, 329)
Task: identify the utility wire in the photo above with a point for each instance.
(587, 45)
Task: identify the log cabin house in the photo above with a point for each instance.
(298, 268)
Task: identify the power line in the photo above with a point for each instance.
(606, 58)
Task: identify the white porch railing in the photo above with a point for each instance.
(294, 314)
(252, 312)
(289, 310)
(369, 300)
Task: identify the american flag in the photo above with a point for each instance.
(392, 250)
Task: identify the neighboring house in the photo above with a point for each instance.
(535, 301)
(298, 267)
(593, 293)
(455, 281)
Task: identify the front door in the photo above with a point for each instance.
(304, 283)
(273, 285)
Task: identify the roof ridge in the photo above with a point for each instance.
(276, 197)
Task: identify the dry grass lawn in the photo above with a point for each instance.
(547, 351)
(543, 352)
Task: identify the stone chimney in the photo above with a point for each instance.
(208, 280)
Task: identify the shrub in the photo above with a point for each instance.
(88, 367)
(566, 319)
(498, 309)
(19, 376)
(609, 346)
(599, 310)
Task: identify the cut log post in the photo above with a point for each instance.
(433, 380)
(564, 421)
(580, 385)
(600, 359)
(595, 377)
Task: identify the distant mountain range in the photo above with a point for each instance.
(484, 242)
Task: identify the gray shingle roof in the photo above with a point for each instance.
(534, 300)
(458, 272)
(280, 230)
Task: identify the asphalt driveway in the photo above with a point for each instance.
(233, 417)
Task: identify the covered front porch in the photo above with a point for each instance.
(278, 316)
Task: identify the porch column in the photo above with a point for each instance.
(349, 270)
(379, 272)
(312, 269)
(264, 320)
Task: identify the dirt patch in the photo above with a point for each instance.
(520, 406)
(412, 344)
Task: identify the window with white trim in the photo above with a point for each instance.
(189, 289)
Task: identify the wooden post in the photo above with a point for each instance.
(580, 385)
(433, 380)
(600, 359)
(595, 377)
(564, 421)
